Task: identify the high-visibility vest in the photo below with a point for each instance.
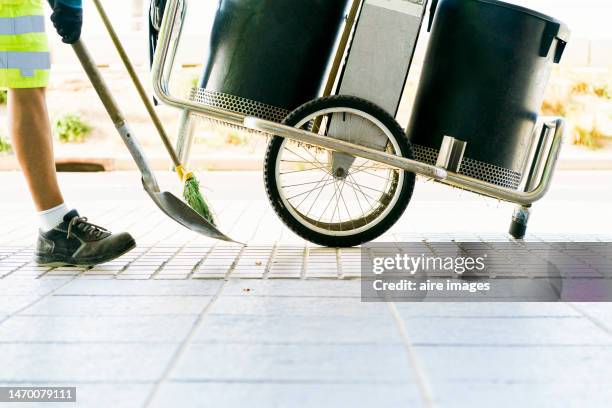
(24, 50)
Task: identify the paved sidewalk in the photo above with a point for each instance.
(185, 321)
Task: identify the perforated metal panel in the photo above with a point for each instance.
(238, 105)
(475, 169)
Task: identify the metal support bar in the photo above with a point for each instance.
(451, 154)
(326, 142)
(437, 173)
(184, 140)
(518, 197)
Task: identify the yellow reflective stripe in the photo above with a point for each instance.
(26, 62)
(21, 8)
(22, 25)
(34, 42)
(11, 78)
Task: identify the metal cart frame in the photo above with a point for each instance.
(547, 140)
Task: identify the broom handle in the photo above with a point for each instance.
(138, 84)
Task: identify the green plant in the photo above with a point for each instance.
(235, 139)
(5, 145)
(3, 96)
(71, 128)
(556, 108)
(581, 88)
(194, 81)
(603, 91)
(589, 138)
(585, 88)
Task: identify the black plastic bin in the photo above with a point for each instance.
(483, 82)
(267, 57)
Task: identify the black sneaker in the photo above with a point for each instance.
(76, 242)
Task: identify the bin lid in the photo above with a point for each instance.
(563, 28)
(555, 28)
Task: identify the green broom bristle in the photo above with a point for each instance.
(194, 198)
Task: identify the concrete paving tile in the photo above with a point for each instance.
(528, 395)
(505, 331)
(170, 277)
(31, 287)
(601, 312)
(287, 329)
(84, 362)
(485, 309)
(269, 363)
(133, 277)
(209, 276)
(536, 364)
(113, 395)
(97, 277)
(22, 275)
(50, 329)
(265, 395)
(296, 306)
(118, 305)
(309, 288)
(60, 277)
(133, 288)
(97, 395)
(11, 304)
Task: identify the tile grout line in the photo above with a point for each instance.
(161, 267)
(592, 319)
(200, 262)
(271, 258)
(232, 267)
(182, 348)
(124, 268)
(19, 251)
(305, 257)
(339, 268)
(46, 295)
(422, 383)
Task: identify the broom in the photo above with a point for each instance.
(193, 196)
(191, 188)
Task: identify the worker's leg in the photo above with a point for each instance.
(31, 134)
(65, 238)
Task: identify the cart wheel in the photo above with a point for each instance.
(334, 204)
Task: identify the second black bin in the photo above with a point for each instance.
(483, 82)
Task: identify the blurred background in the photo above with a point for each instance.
(580, 90)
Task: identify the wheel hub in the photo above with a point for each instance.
(340, 173)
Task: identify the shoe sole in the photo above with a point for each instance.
(54, 262)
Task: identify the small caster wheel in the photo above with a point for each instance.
(520, 218)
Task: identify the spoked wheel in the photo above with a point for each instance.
(334, 199)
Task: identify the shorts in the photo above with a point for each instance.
(25, 61)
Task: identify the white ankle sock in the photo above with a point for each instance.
(52, 217)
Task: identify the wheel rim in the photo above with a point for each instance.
(336, 206)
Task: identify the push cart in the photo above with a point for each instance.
(325, 82)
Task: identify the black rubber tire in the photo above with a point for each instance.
(272, 190)
(517, 230)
